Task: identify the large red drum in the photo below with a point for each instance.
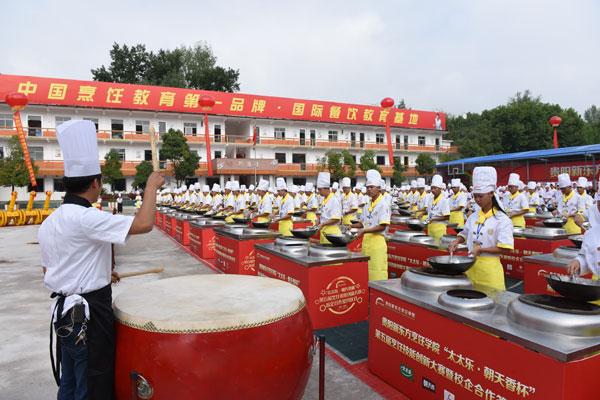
(213, 337)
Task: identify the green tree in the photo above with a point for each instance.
(111, 170)
(193, 67)
(142, 172)
(399, 169)
(425, 164)
(335, 165)
(367, 161)
(349, 164)
(13, 172)
(176, 150)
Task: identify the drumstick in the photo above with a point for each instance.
(154, 150)
(138, 273)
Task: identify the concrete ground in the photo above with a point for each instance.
(25, 372)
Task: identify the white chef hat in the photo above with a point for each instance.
(335, 185)
(463, 187)
(413, 184)
(79, 146)
(427, 188)
(420, 183)
(346, 182)
(301, 188)
(243, 188)
(484, 179)
(323, 180)
(228, 185)
(582, 182)
(438, 182)
(309, 187)
(531, 185)
(373, 178)
(358, 186)
(251, 187)
(513, 179)
(564, 180)
(521, 185)
(294, 189)
(281, 185)
(198, 186)
(235, 185)
(455, 183)
(216, 187)
(363, 190)
(388, 188)
(263, 185)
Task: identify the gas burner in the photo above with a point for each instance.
(466, 299)
(560, 304)
(555, 314)
(432, 280)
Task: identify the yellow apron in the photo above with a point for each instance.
(285, 227)
(487, 271)
(571, 227)
(374, 246)
(329, 229)
(457, 217)
(518, 222)
(229, 219)
(262, 219)
(347, 218)
(312, 217)
(436, 230)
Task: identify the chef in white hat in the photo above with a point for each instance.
(334, 188)
(239, 203)
(438, 210)
(421, 200)
(217, 198)
(568, 205)
(375, 218)
(75, 242)
(286, 208)
(360, 199)
(312, 203)
(228, 200)
(458, 204)
(349, 202)
(585, 200)
(265, 202)
(515, 202)
(413, 195)
(534, 199)
(487, 232)
(331, 208)
(252, 196)
(205, 199)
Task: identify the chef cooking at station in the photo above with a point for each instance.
(286, 208)
(588, 260)
(515, 202)
(488, 232)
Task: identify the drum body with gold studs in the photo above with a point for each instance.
(212, 337)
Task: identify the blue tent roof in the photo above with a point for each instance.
(533, 154)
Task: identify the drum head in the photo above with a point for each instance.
(207, 303)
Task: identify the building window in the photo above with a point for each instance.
(405, 139)
(142, 126)
(39, 187)
(36, 152)
(58, 185)
(406, 161)
(217, 133)
(217, 154)
(116, 128)
(1, 153)
(148, 155)
(379, 138)
(162, 127)
(121, 153)
(280, 157)
(34, 125)
(6, 121)
(313, 137)
(299, 181)
(380, 160)
(94, 120)
(280, 133)
(119, 185)
(190, 128)
(59, 120)
(421, 140)
(332, 136)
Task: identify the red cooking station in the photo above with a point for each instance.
(429, 349)
(538, 266)
(182, 228)
(202, 237)
(234, 248)
(532, 241)
(334, 280)
(297, 223)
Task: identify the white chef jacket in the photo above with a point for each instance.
(312, 202)
(458, 200)
(240, 203)
(589, 255)
(217, 201)
(298, 201)
(207, 199)
(584, 202)
(229, 201)
(286, 205)
(380, 215)
(570, 206)
(442, 208)
(495, 231)
(332, 209)
(534, 199)
(516, 204)
(349, 202)
(265, 204)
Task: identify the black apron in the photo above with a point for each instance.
(100, 334)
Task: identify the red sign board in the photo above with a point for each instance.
(76, 93)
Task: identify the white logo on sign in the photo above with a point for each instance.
(448, 395)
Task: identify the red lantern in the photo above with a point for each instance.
(206, 103)
(555, 121)
(16, 101)
(388, 102)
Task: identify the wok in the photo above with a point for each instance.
(574, 288)
(577, 240)
(415, 224)
(554, 222)
(404, 211)
(217, 216)
(354, 221)
(304, 233)
(298, 213)
(201, 212)
(241, 220)
(261, 224)
(452, 265)
(339, 240)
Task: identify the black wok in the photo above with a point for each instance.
(554, 222)
(574, 288)
(241, 220)
(339, 240)
(415, 225)
(304, 233)
(221, 217)
(298, 213)
(261, 224)
(577, 240)
(451, 265)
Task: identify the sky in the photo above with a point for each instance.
(451, 56)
